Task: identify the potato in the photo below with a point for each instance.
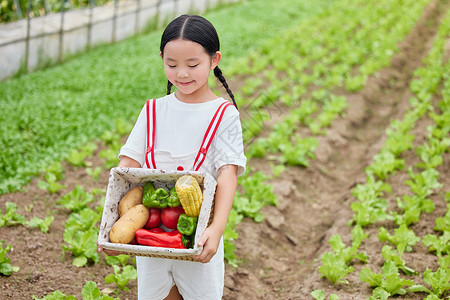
(131, 199)
(123, 231)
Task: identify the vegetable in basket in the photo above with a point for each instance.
(172, 239)
(132, 198)
(187, 225)
(188, 241)
(154, 220)
(154, 197)
(170, 215)
(190, 195)
(173, 200)
(124, 229)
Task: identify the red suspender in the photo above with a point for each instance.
(151, 148)
(209, 136)
(207, 139)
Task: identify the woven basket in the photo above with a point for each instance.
(122, 180)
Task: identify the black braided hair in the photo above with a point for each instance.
(199, 30)
(219, 75)
(169, 87)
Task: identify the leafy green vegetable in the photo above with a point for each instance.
(371, 208)
(83, 246)
(121, 259)
(10, 217)
(443, 223)
(53, 173)
(390, 254)
(423, 183)
(122, 276)
(229, 236)
(439, 244)
(349, 253)
(43, 224)
(413, 207)
(431, 153)
(51, 185)
(335, 265)
(56, 295)
(438, 281)
(257, 194)
(77, 199)
(403, 238)
(90, 291)
(388, 283)
(77, 158)
(5, 267)
(83, 220)
(80, 236)
(95, 173)
(385, 163)
(299, 151)
(334, 268)
(320, 295)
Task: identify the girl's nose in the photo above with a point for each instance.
(182, 73)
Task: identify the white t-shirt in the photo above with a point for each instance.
(180, 128)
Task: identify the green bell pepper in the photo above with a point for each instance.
(148, 188)
(173, 199)
(187, 225)
(188, 241)
(154, 198)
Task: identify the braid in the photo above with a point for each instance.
(169, 87)
(222, 80)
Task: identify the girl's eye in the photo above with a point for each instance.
(193, 66)
(171, 66)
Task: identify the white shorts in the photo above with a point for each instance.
(194, 280)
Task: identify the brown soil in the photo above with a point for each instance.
(280, 256)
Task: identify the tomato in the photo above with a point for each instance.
(170, 215)
(154, 220)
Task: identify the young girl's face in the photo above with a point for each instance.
(187, 66)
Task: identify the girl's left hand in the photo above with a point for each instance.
(210, 241)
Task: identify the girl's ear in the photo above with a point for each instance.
(215, 60)
(160, 54)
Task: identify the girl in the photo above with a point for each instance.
(190, 129)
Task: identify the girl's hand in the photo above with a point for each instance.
(107, 251)
(210, 241)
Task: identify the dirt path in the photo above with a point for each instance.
(281, 254)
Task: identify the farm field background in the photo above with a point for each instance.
(345, 107)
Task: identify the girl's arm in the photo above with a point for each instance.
(226, 188)
(128, 162)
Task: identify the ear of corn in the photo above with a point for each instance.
(190, 195)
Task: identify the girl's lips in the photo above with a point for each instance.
(185, 83)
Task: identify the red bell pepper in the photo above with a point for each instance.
(159, 239)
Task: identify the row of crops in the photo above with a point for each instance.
(373, 40)
(302, 71)
(431, 90)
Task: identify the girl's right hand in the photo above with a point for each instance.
(108, 252)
